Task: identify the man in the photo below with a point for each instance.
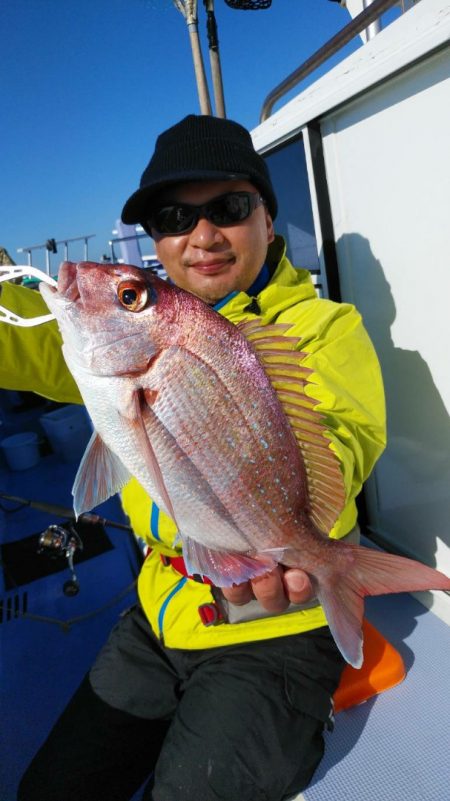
(234, 710)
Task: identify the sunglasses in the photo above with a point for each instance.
(228, 209)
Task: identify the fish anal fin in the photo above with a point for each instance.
(224, 568)
(100, 475)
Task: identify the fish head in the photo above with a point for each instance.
(113, 318)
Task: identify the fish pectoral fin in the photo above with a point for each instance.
(100, 475)
(223, 568)
(150, 458)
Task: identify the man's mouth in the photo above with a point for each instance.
(210, 267)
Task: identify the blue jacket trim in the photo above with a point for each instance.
(260, 282)
(224, 300)
(163, 609)
(154, 521)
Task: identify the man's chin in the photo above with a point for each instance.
(211, 300)
(211, 292)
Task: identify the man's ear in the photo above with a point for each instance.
(270, 231)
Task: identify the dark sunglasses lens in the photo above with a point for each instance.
(173, 219)
(229, 209)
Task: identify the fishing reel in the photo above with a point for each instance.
(57, 542)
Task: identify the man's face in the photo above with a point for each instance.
(211, 261)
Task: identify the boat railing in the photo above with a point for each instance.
(127, 238)
(360, 23)
(118, 240)
(51, 246)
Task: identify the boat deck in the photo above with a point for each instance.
(48, 640)
(394, 746)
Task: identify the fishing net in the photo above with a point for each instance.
(249, 5)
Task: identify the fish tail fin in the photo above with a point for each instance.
(365, 571)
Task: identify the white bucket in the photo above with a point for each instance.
(68, 430)
(21, 450)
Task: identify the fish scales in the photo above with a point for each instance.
(224, 438)
(180, 399)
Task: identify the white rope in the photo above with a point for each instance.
(9, 272)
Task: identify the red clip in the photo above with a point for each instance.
(210, 614)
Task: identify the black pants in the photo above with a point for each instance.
(242, 722)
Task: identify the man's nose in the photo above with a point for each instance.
(205, 234)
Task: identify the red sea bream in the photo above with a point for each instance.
(213, 421)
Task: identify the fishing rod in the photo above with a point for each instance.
(65, 512)
(214, 58)
(59, 541)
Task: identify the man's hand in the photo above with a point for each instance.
(274, 590)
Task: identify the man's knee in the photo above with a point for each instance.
(206, 777)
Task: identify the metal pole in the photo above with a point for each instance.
(214, 58)
(375, 27)
(202, 86)
(189, 10)
(332, 46)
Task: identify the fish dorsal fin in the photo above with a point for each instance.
(282, 360)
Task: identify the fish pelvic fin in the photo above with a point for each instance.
(100, 475)
(364, 571)
(283, 362)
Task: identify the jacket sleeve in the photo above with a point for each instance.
(347, 382)
(31, 358)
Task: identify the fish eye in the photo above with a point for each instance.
(132, 296)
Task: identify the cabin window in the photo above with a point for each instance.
(287, 167)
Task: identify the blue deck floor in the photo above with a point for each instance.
(45, 654)
(394, 747)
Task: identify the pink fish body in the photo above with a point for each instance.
(213, 421)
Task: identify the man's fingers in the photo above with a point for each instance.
(274, 590)
(269, 591)
(238, 594)
(298, 586)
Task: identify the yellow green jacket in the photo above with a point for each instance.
(347, 384)
(31, 358)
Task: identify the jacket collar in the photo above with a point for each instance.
(287, 286)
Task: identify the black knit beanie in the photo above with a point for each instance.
(200, 148)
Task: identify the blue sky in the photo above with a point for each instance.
(87, 85)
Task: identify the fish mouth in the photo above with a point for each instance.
(67, 290)
(67, 281)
